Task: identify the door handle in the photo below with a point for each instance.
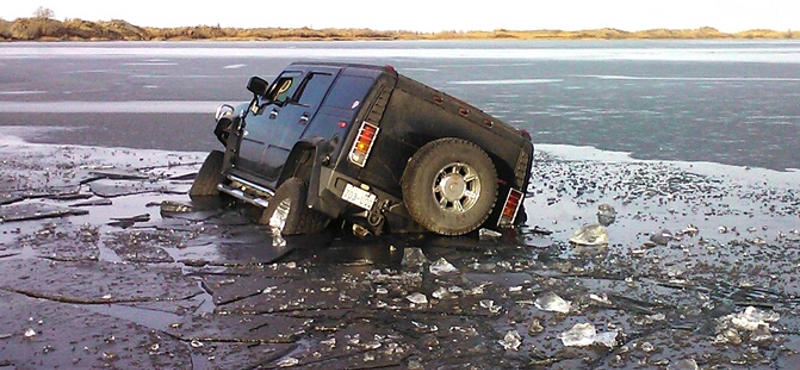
(273, 114)
(303, 119)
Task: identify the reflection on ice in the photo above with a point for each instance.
(724, 79)
(507, 82)
(150, 64)
(22, 92)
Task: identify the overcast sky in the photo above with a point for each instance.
(430, 15)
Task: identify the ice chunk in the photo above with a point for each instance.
(685, 364)
(606, 338)
(585, 334)
(691, 230)
(288, 361)
(550, 301)
(443, 293)
(728, 335)
(580, 335)
(511, 341)
(752, 318)
(417, 298)
(602, 298)
(486, 234)
(662, 237)
(606, 214)
(413, 257)
(535, 327)
(761, 333)
(442, 266)
(489, 305)
(590, 235)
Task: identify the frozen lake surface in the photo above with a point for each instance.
(730, 102)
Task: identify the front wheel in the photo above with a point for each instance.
(450, 186)
(209, 176)
(287, 212)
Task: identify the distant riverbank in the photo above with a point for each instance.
(48, 29)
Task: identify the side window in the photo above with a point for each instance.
(314, 88)
(349, 91)
(283, 88)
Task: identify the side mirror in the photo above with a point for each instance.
(257, 86)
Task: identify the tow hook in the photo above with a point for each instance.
(360, 231)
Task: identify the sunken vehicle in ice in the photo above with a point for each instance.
(369, 147)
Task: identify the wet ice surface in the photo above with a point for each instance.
(105, 262)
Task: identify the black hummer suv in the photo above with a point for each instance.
(369, 147)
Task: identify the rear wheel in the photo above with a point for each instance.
(209, 176)
(287, 212)
(450, 186)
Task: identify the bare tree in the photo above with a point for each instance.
(42, 12)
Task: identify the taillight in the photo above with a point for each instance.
(510, 208)
(363, 144)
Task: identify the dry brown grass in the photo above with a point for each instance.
(46, 29)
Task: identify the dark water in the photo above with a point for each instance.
(732, 102)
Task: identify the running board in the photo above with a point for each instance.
(241, 195)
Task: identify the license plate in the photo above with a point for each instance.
(359, 197)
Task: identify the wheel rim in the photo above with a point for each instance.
(278, 219)
(456, 187)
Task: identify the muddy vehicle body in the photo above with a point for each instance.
(370, 147)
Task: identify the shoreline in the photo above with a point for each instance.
(44, 29)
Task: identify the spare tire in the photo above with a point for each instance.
(450, 186)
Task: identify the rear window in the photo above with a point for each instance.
(349, 92)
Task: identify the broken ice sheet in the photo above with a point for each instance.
(549, 301)
(36, 211)
(126, 222)
(442, 266)
(585, 334)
